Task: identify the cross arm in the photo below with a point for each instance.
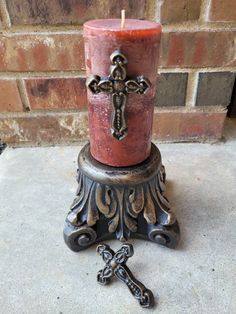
(139, 85)
(96, 84)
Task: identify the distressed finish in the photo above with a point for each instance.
(10, 100)
(70, 11)
(179, 11)
(222, 11)
(40, 128)
(116, 266)
(56, 93)
(37, 128)
(139, 42)
(118, 85)
(198, 49)
(120, 202)
(23, 52)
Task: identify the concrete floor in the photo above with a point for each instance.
(39, 274)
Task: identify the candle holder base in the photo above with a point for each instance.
(120, 203)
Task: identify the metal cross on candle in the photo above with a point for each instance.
(116, 266)
(119, 85)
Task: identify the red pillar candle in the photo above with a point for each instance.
(135, 73)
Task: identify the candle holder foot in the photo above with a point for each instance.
(120, 203)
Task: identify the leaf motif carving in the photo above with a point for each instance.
(79, 202)
(130, 223)
(149, 212)
(137, 199)
(121, 205)
(103, 205)
(113, 224)
(73, 218)
(105, 200)
(92, 212)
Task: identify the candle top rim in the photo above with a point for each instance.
(114, 25)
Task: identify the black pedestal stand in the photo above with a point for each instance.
(120, 203)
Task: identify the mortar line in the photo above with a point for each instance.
(23, 94)
(82, 113)
(46, 27)
(158, 11)
(150, 10)
(82, 74)
(36, 75)
(4, 14)
(29, 32)
(205, 10)
(38, 113)
(190, 70)
(188, 26)
(191, 92)
(196, 27)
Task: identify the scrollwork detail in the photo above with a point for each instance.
(119, 86)
(121, 205)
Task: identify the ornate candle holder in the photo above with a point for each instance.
(120, 202)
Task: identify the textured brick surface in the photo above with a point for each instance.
(215, 88)
(188, 126)
(198, 49)
(52, 128)
(223, 10)
(9, 96)
(44, 52)
(179, 10)
(44, 128)
(49, 52)
(71, 11)
(56, 93)
(171, 89)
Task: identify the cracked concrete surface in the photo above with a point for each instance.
(39, 274)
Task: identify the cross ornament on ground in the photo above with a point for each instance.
(116, 266)
(118, 85)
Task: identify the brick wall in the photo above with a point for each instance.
(42, 78)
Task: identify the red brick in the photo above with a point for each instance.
(179, 11)
(42, 52)
(56, 93)
(198, 49)
(71, 12)
(224, 11)
(188, 125)
(10, 99)
(52, 128)
(41, 128)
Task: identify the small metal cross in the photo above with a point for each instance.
(116, 266)
(118, 85)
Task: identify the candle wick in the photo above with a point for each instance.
(122, 19)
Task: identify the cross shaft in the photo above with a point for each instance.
(116, 266)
